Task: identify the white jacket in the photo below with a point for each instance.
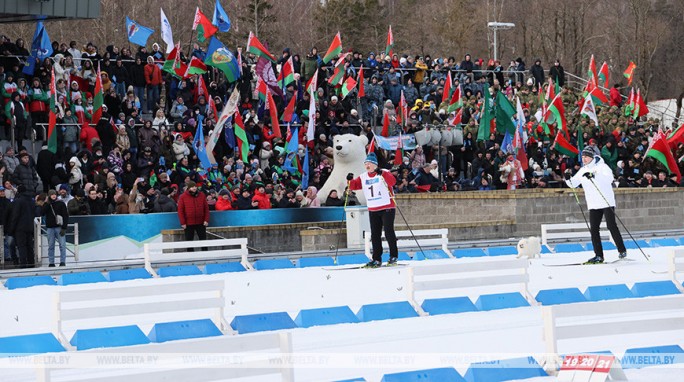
(598, 190)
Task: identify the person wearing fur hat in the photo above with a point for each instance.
(377, 184)
(596, 179)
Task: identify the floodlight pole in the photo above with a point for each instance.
(495, 26)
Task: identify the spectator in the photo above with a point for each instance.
(153, 81)
(537, 72)
(56, 222)
(164, 203)
(21, 225)
(193, 212)
(25, 175)
(557, 73)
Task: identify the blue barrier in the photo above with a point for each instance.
(435, 306)
(432, 254)
(560, 296)
(654, 288)
(630, 244)
(81, 278)
(500, 301)
(28, 281)
(358, 258)
(607, 292)
(664, 242)
(403, 256)
(353, 380)
(262, 322)
(568, 247)
(179, 270)
(128, 274)
(545, 250)
(607, 246)
(325, 316)
(468, 252)
(181, 330)
(443, 374)
(638, 358)
(305, 262)
(211, 269)
(29, 344)
(504, 370)
(270, 264)
(503, 251)
(386, 311)
(129, 335)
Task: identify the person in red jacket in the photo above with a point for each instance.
(224, 202)
(88, 134)
(261, 197)
(193, 212)
(615, 96)
(377, 184)
(153, 81)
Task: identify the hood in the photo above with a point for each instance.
(75, 161)
(311, 192)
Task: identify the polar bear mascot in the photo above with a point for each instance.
(529, 247)
(349, 152)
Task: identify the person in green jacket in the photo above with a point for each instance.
(609, 154)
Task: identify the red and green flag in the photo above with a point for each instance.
(289, 110)
(338, 73)
(255, 46)
(676, 137)
(98, 98)
(385, 125)
(603, 75)
(447, 87)
(286, 74)
(312, 84)
(362, 86)
(557, 111)
(241, 135)
(399, 154)
(456, 101)
(334, 50)
(196, 66)
(629, 72)
(593, 75)
(273, 111)
(390, 42)
(52, 117)
(596, 94)
(262, 89)
(564, 147)
(173, 63)
(629, 107)
(348, 86)
(640, 108)
(661, 152)
(203, 26)
(403, 108)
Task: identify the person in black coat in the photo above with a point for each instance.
(557, 73)
(106, 132)
(20, 226)
(25, 174)
(46, 167)
(537, 72)
(52, 208)
(5, 212)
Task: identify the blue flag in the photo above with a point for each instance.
(200, 147)
(41, 48)
(229, 133)
(507, 143)
(305, 169)
(291, 150)
(137, 34)
(220, 19)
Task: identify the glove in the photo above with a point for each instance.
(567, 175)
(62, 232)
(378, 171)
(350, 176)
(588, 175)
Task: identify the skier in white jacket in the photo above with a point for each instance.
(596, 179)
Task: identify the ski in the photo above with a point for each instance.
(584, 263)
(344, 268)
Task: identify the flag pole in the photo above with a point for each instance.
(192, 31)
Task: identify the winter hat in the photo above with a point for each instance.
(588, 152)
(190, 184)
(52, 192)
(371, 158)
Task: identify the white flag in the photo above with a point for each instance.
(520, 126)
(311, 129)
(166, 34)
(227, 112)
(589, 110)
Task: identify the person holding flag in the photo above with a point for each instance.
(377, 184)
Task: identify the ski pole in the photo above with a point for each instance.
(574, 193)
(344, 211)
(620, 220)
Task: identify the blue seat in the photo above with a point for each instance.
(654, 288)
(634, 358)
(629, 244)
(386, 311)
(81, 278)
(607, 246)
(607, 292)
(443, 374)
(129, 274)
(29, 344)
(28, 281)
(179, 270)
(115, 336)
(262, 322)
(435, 306)
(419, 256)
(353, 380)
(568, 247)
(403, 256)
(500, 301)
(432, 254)
(664, 242)
(545, 249)
(358, 258)
(181, 330)
(306, 262)
(504, 370)
(503, 251)
(270, 264)
(325, 316)
(211, 269)
(560, 296)
(468, 252)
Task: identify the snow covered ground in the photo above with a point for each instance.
(372, 349)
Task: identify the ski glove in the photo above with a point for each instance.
(567, 175)
(350, 176)
(588, 175)
(378, 171)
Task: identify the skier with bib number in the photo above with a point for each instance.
(596, 179)
(376, 184)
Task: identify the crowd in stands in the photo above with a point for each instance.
(138, 157)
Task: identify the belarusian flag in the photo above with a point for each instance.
(640, 108)
(589, 110)
(173, 63)
(603, 75)
(592, 70)
(629, 107)
(362, 87)
(564, 147)
(312, 84)
(675, 137)
(286, 74)
(52, 117)
(262, 89)
(596, 93)
(203, 26)
(456, 101)
(311, 128)
(385, 125)
(255, 46)
(390, 42)
(334, 50)
(486, 117)
(629, 72)
(348, 86)
(289, 110)
(458, 118)
(399, 154)
(403, 107)
(98, 98)
(337, 76)
(447, 87)
(241, 135)
(557, 110)
(660, 151)
(273, 111)
(196, 66)
(200, 90)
